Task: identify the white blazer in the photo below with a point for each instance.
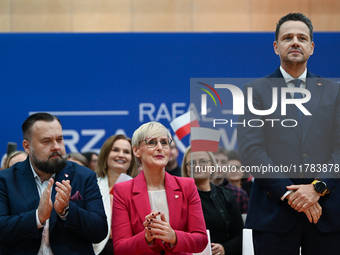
(103, 184)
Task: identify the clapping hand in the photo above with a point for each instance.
(45, 203)
(62, 197)
(158, 229)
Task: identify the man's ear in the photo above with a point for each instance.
(275, 48)
(312, 48)
(26, 146)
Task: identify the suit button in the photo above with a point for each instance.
(304, 155)
(301, 175)
(162, 252)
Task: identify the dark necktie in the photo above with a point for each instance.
(297, 83)
(298, 95)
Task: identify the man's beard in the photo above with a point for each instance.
(51, 165)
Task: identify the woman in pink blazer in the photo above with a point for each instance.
(156, 213)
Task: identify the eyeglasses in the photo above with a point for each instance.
(152, 142)
(201, 162)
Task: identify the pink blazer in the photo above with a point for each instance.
(131, 204)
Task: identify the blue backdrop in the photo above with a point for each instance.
(101, 84)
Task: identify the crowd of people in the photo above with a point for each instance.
(134, 198)
(158, 211)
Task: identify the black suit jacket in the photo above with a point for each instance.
(316, 141)
(19, 199)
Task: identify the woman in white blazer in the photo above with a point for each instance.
(115, 158)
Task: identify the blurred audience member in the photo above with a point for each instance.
(238, 178)
(115, 158)
(235, 174)
(172, 167)
(3, 161)
(77, 158)
(156, 213)
(221, 213)
(15, 157)
(240, 195)
(92, 158)
(221, 157)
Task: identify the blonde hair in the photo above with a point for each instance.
(78, 157)
(102, 167)
(12, 155)
(184, 163)
(150, 129)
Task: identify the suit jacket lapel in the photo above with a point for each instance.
(174, 197)
(312, 104)
(103, 184)
(27, 185)
(65, 174)
(141, 197)
(291, 112)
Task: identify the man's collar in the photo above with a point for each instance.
(289, 78)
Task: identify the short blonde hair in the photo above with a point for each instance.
(184, 163)
(148, 130)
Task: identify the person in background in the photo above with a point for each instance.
(115, 158)
(92, 158)
(221, 213)
(77, 158)
(240, 195)
(237, 177)
(156, 213)
(3, 161)
(47, 204)
(172, 167)
(15, 157)
(221, 157)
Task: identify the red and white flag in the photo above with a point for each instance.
(204, 139)
(181, 125)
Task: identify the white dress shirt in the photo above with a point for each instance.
(159, 203)
(290, 84)
(290, 80)
(45, 247)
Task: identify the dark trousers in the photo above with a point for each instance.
(304, 234)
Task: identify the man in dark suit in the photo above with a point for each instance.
(49, 205)
(297, 205)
